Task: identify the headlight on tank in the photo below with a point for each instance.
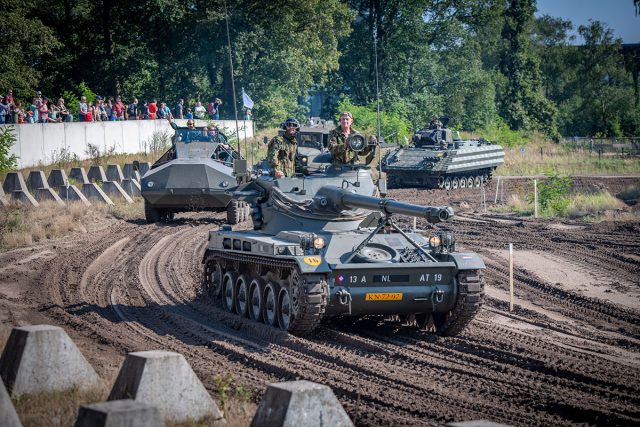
(318, 242)
(435, 241)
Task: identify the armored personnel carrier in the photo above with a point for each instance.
(195, 174)
(323, 246)
(436, 160)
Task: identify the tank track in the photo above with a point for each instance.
(470, 299)
(312, 297)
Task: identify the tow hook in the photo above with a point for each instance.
(344, 297)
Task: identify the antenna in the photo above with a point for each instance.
(375, 52)
(233, 85)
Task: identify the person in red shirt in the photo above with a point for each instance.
(153, 109)
(119, 108)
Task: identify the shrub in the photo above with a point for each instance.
(553, 194)
(7, 139)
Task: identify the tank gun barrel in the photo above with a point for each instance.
(340, 199)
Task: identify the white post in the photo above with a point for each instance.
(535, 198)
(510, 277)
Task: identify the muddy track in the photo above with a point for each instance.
(561, 358)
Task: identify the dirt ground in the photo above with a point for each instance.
(568, 354)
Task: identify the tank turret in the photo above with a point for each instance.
(324, 245)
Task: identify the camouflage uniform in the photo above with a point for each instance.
(282, 154)
(341, 153)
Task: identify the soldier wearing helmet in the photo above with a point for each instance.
(341, 153)
(282, 150)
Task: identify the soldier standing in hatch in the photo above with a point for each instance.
(341, 153)
(282, 150)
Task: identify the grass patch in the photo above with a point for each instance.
(56, 408)
(21, 225)
(594, 207)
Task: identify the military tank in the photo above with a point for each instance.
(323, 246)
(195, 174)
(437, 160)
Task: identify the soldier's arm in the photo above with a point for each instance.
(272, 154)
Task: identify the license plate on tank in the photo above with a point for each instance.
(384, 296)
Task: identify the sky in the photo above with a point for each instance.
(619, 15)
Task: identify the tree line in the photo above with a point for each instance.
(480, 62)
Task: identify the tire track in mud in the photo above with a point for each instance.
(147, 297)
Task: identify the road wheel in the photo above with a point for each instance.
(285, 310)
(256, 300)
(270, 304)
(455, 183)
(229, 291)
(212, 277)
(447, 183)
(241, 297)
(151, 214)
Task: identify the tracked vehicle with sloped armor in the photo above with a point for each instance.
(323, 246)
(194, 174)
(437, 160)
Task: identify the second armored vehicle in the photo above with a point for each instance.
(436, 160)
(323, 246)
(195, 174)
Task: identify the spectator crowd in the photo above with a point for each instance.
(43, 110)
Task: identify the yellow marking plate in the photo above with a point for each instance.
(312, 260)
(385, 296)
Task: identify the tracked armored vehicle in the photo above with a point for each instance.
(436, 160)
(195, 174)
(323, 246)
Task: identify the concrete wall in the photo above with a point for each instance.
(38, 143)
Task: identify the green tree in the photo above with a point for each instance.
(25, 41)
(523, 104)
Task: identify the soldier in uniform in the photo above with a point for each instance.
(341, 153)
(282, 150)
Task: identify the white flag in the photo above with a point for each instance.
(246, 101)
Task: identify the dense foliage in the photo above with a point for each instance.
(483, 63)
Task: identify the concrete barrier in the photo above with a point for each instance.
(164, 379)
(143, 168)
(24, 197)
(42, 358)
(36, 180)
(114, 190)
(14, 181)
(57, 178)
(131, 186)
(72, 194)
(114, 173)
(47, 194)
(8, 415)
(43, 143)
(3, 197)
(93, 192)
(80, 175)
(300, 403)
(96, 173)
(119, 413)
